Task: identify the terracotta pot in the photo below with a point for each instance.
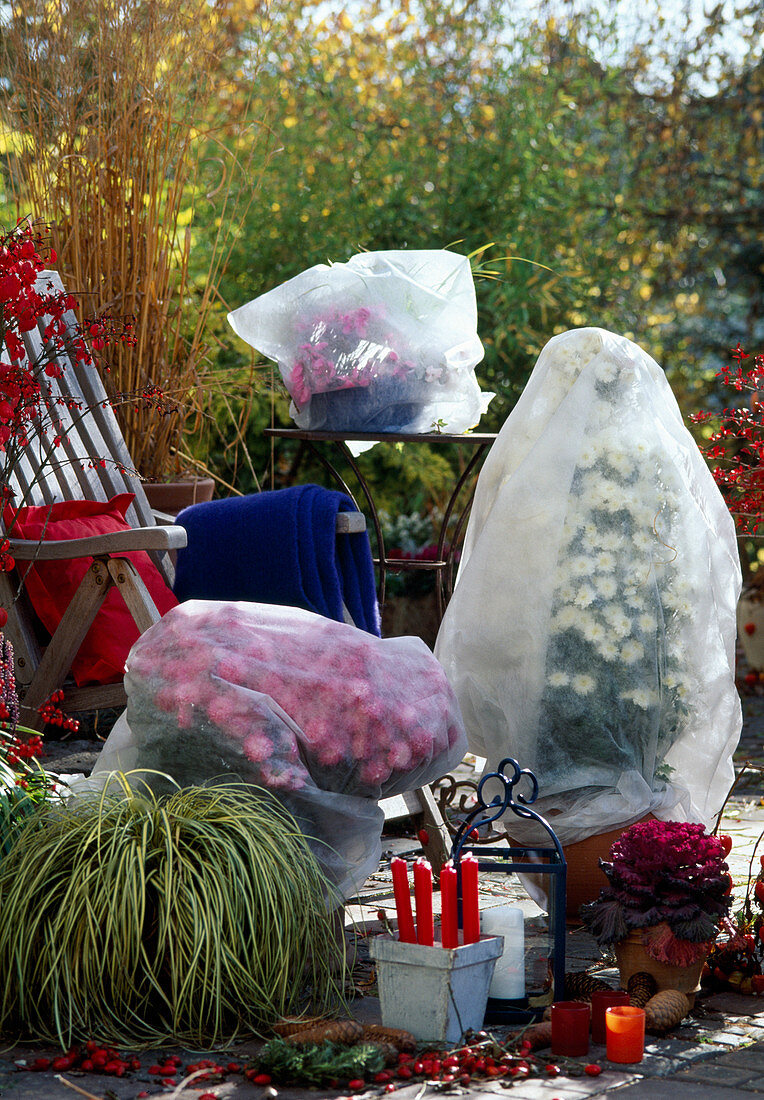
(750, 626)
(633, 958)
(172, 497)
(585, 877)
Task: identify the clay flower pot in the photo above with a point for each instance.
(632, 958)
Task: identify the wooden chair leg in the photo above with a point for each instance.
(67, 639)
(421, 805)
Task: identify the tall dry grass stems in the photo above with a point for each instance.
(123, 122)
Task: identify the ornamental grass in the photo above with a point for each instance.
(196, 917)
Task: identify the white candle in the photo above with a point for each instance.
(508, 981)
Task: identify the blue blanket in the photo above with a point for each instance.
(279, 547)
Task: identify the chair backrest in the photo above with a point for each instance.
(91, 461)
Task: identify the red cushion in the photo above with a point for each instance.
(51, 585)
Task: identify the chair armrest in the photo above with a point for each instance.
(115, 542)
(350, 523)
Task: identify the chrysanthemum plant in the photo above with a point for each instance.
(669, 881)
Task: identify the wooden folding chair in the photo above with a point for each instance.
(46, 474)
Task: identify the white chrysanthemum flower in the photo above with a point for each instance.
(566, 593)
(607, 649)
(607, 370)
(558, 679)
(587, 456)
(632, 651)
(583, 683)
(621, 463)
(566, 618)
(646, 623)
(641, 697)
(641, 448)
(605, 562)
(580, 566)
(642, 541)
(612, 541)
(584, 596)
(618, 621)
(606, 586)
(593, 630)
(634, 600)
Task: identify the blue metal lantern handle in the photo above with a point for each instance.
(517, 803)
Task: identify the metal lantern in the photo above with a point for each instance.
(541, 944)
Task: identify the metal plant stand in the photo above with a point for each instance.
(336, 443)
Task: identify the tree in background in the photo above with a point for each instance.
(612, 156)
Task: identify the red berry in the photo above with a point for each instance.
(759, 892)
(155, 1070)
(424, 837)
(405, 1071)
(447, 1078)
(390, 1087)
(750, 678)
(355, 1085)
(41, 1063)
(86, 1065)
(207, 1096)
(464, 1079)
(62, 1062)
(726, 842)
(593, 1069)
(750, 628)
(261, 1079)
(552, 1070)
(382, 1077)
(233, 1067)
(3, 617)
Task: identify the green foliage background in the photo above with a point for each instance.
(605, 163)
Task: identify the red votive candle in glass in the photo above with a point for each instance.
(602, 999)
(406, 933)
(570, 1028)
(423, 894)
(470, 904)
(449, 925)
(625, 1028)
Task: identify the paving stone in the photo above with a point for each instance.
(751, 1058)
(712, 1071)
(672, 1088)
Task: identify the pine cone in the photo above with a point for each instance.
(579, 986)
(339, 1031)
(665, 1010)
(539, 1036)
(641, 987)
(400, 1039)
(292, 1024)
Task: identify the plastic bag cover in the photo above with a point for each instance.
(327, 717)
(386, 342)
(591, 633)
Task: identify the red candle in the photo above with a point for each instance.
(406, 933)
(470, 906)
(449, 929)
(423, 895)
(602, 999)
(570, 1028)
(625, 1028)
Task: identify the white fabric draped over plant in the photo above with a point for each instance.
(591, 633)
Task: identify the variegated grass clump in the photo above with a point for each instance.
(194, 918)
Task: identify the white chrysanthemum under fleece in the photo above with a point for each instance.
(591, 632)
